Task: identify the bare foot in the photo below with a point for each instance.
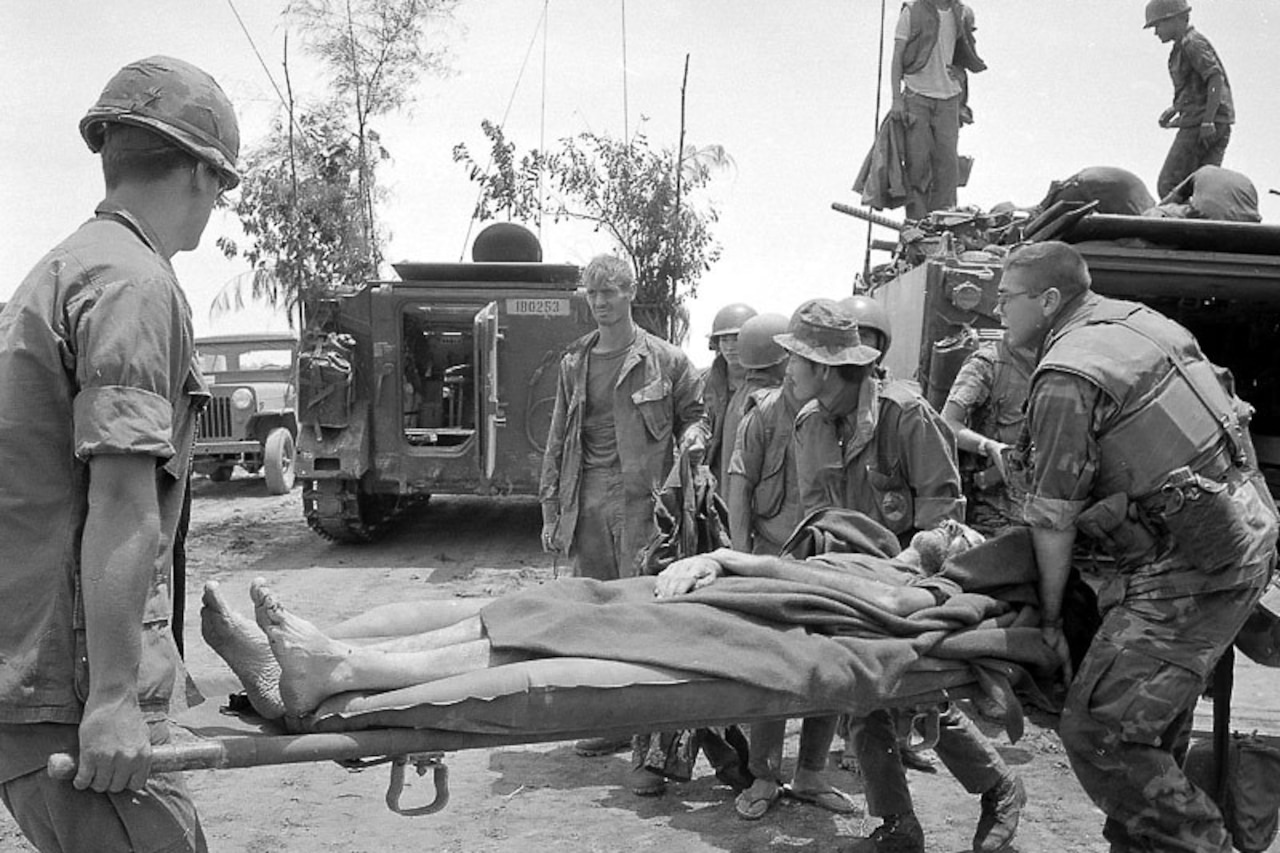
(313, 667)
(238, 641)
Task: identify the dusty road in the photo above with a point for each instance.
(517, 799)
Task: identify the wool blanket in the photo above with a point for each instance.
(807, 627)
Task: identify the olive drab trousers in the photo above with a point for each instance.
(1127, 721)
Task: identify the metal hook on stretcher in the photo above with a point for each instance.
(422, 762)
(433, 761)
(922, 728)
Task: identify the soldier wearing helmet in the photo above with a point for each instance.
(1202, 109)
(874, 446)
(763, 499)
(764, 509)
(873, 321)
(722, 384)
(100, 393)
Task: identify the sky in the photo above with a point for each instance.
(789, 89)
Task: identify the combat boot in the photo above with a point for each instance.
(898, 834)
(1001, 807)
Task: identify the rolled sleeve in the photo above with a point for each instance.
(116, 419)
(1063, 411)
(1051, 513)
(125, 334)
(1202, 57)
(972, 387)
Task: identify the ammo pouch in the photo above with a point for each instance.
(1251, 802)
(1115, 524)
(1203, 516)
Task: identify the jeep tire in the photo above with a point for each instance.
(277, 461)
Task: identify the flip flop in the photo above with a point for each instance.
(832, 799)
(751, 805)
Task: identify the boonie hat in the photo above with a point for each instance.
(824, 331)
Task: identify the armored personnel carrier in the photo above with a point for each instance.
(1221, 280)
(441, 382)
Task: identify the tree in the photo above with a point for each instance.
(310, 216)
(299, 206)
(628, 190)
(375, 51)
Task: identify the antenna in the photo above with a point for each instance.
(626, 131)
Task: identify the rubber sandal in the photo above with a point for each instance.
(752, 805)
(832, 799)
(918, 761)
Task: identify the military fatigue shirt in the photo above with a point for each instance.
(991, 391)
(764, 458)
(1192, 61)
(657, 399)
(96, 357)
(1067, 413)
(888, 455)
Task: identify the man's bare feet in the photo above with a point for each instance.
(238, 641)
(313, 667)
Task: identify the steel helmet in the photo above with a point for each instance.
(1158, 10)
(756, 347)
(175, 100)
(729, 320)
(870, 316)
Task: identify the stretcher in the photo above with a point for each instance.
(536, 701)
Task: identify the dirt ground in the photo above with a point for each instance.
(544, 796)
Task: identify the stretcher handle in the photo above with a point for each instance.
(206, 755)
(222, 753)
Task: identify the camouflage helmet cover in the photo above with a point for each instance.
(173, 99)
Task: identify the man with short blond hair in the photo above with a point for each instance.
(626, 403)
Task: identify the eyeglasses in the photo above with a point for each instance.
(224, 183)
(1003, 298)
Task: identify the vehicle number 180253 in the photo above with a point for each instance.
(539, 307)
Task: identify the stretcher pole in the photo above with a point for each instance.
(258, 750)
(404, 746)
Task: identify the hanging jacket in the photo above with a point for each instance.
(882, 180)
